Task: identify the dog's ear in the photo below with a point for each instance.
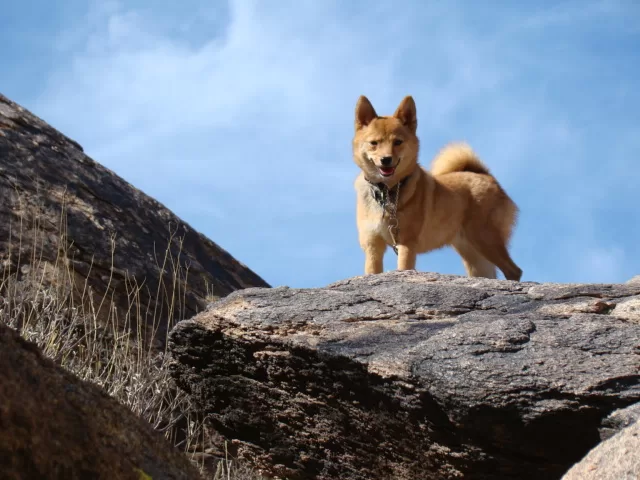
(406, 113)
(364, 112)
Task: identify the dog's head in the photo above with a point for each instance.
(386, 148)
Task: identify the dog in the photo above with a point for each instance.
(458, 203)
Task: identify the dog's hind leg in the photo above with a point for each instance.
(488, 242)
(474, 263)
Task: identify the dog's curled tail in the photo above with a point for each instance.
(457, 157)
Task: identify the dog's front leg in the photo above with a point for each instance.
(406, 258)
(374, 248)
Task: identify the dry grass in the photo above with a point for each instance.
(55, 308)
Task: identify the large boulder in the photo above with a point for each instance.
(408, 375)
(56, 426)
(73, 220)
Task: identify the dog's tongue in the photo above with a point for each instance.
(387, 170)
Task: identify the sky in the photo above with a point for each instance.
(238, 116)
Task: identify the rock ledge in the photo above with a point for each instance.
(410, 375)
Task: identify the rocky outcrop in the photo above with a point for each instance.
(618, 456)
(620, 419)
(77, 220)
(55, 426)
(408, 375)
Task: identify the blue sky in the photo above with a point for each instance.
(238, 115)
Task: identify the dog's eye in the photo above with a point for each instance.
(397, 142)
(374, 142)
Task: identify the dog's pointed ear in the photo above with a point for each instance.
(364, 112)
(406, 113)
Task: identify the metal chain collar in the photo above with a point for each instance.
(394, 227)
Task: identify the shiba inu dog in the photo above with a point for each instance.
(399, 203)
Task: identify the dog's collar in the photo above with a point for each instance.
(381, 191)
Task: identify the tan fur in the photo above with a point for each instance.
(457, 157)
(459, 203)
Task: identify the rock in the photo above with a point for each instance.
(57, 426)
(408, 375)
(619, 420)
(114, 237)
(617, 458)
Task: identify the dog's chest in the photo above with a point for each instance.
(377, 227)
(374, 221)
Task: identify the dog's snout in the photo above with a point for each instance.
(386, 161)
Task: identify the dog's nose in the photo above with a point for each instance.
(386, 161)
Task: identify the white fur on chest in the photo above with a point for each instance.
(374, 223)
(377, 227)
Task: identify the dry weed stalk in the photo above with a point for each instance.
(46, 303)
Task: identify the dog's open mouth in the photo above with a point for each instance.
(387, 171)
